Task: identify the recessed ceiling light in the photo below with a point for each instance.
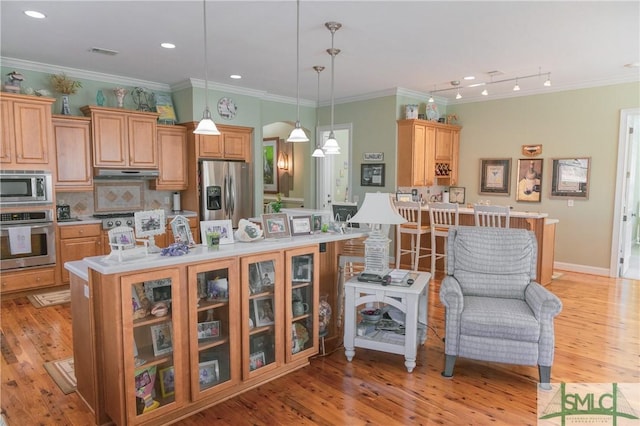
(168, 45)
(235, 76)
(469, 77)
(35, 14)
(633, 65)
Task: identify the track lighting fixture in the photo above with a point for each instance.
(456, 85)
(547, 82)
(458, 95)
(517, 86)
(485, 92)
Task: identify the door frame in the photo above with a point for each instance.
(325, 170)
(624, 144)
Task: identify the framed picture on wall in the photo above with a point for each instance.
(570, 177)
(269, 164)
(495, 176)
(372, 174)
(529, 180)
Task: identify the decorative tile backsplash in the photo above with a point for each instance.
(119, 196)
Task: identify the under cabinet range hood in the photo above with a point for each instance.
(125, 173)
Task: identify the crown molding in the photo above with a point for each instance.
(83, 74)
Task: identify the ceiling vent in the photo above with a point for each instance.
(103, 51)
(494, 73)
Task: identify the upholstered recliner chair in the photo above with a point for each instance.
(494, 310)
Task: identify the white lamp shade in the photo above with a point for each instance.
(297, 134)
(331, 144)
(319, 153)
(377, 209)
(206, 126)
(332, 151)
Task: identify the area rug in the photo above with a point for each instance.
(62, 372)
(49, 299)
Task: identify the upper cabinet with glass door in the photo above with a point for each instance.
(262, 311)
(214, 331)
(301, 278)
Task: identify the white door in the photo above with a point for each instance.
(334, 171)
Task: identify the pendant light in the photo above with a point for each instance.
(297, 134)
(331, 146)
(206, 126)
(318, 153)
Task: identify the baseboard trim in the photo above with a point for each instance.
(584, 269)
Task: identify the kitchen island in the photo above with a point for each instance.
(159, 338)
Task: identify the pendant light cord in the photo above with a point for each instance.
(298, 61)
(206, 62)
(333, 57)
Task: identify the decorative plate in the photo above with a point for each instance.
(432, 112)
(227, 108)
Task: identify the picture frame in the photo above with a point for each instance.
(570, 177)
(276, 225)
(208, 373)
(208, 330)
(164, 106)
(161, 338)
(218, 289)
(269, 166)
(167, 382)
(222, 227)
(316, 222)
(301, 225)
(301, 269)
(158, 290)
(257, 360)
(529, 180)
(263, 309)
(373, 156)
(149, 223)
(495, 176)
(372, 174)
(457, 194)
(181, 231)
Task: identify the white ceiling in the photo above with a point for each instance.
(412, 45)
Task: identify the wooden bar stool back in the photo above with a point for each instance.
(442, 216)
(491, 216)
(411, 212)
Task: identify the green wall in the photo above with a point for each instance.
(576, 123)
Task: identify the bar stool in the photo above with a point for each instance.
(442, 216)
(491, 216)
(414, 227)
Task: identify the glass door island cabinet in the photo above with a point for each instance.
(175, 335)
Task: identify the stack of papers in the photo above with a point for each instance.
(398, 276)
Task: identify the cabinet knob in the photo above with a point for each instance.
(82, 231)
(37, 279)
(4, 284)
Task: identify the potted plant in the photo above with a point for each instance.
(66, 86)
(277, 204)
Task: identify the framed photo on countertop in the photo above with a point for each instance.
(456, 194)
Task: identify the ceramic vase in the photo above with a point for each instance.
(324, 315)
(100, 98)
(65, 105)
(120, 92)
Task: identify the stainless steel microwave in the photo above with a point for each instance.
(19, 187)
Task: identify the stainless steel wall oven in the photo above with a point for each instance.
(27, 239)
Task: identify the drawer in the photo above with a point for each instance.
(25, 280)
(77, 231)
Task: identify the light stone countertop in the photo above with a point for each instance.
(202, 253)
(512, 213)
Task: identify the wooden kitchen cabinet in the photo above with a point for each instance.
(234, 143)
(77, 242)
(432, 150)
(31, 278)
(122, 138)
(72, 141)
(26, 131)
(172, 159)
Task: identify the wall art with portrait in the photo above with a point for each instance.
(495, 176)
(529, 180)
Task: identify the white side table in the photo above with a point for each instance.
(404, 297)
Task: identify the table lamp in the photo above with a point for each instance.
(378, 212)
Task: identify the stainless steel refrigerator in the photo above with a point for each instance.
(227, 191)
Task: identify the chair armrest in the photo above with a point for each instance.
(544, 304)
(451, 294)
(451, 298)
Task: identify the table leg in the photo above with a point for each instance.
(349, 323)
(411, 332)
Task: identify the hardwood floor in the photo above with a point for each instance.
(597, 340)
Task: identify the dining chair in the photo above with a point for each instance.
(442, 216)
(491, 216)
(414, 227)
